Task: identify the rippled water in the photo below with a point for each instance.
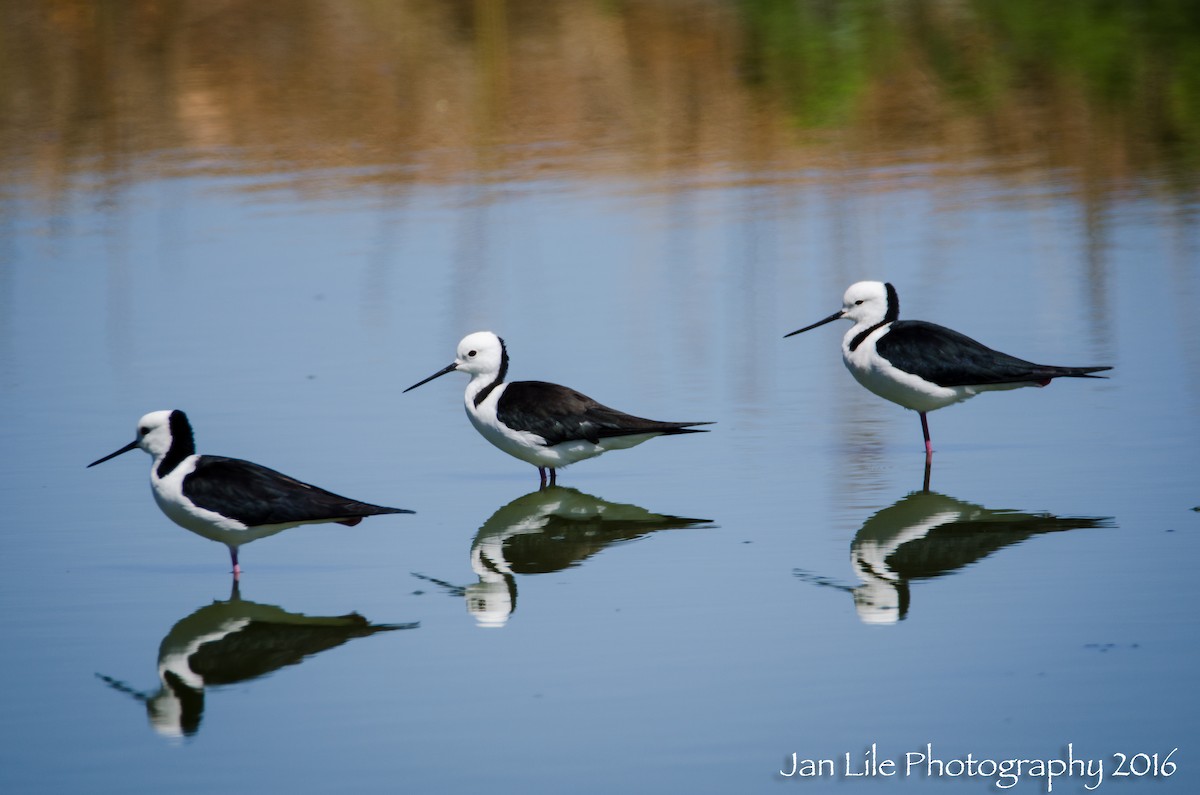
(683, 616)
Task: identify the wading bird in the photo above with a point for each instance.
(547, 425)
(923, 366)
(227, 499)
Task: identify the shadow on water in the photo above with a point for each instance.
(234, 641)
(926, 535)
(545, 531)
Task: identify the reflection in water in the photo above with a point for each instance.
(927, 535)
(235, 641)
(547, 530)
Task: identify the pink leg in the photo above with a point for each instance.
(553, 476)
(237, 570)
(542, 477)
(925, 430)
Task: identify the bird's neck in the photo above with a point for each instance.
(482, 385)
(176, 454)
(859, 332)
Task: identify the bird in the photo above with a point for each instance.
(547, 425)
(227, 499)
(923, 366)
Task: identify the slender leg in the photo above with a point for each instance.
(237, 570)
(925, 430)
(553, 476)
(542, 477)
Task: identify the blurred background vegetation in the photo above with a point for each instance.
(1102, 92)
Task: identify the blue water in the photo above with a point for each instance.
(591, 639)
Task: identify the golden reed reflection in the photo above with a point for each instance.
(447, 90)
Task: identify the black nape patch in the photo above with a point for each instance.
(893, 304)
(182, 443)
(890, 316)
(487, 390)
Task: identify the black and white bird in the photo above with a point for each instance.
(547, 425)
(923, 366)
(227, 499)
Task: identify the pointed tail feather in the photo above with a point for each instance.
(686, 427)
(355, 512)
(1079, 372)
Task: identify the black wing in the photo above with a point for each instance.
(947, 358)
(559, 414)
(255, 495)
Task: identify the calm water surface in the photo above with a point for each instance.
(642, 201)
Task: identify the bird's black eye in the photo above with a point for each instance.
(471, 353)
(858, 302)
(143, 431)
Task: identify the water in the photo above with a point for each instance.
(683, 616)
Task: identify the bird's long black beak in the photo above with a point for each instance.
(125, 449)
(838, 315)
(450, 368)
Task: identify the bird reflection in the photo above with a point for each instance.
(234, 641)
(927, 535)
(547, 530)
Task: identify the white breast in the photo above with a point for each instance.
(168, 493)
(528, 447)
(878, 375)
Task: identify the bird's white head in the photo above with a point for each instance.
(866, 303)
(479, 354)
(154, 432)
(160, 433)
(869, 302)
